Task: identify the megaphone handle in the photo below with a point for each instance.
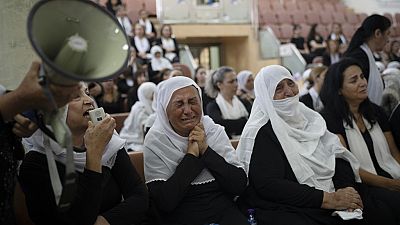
(44, 82)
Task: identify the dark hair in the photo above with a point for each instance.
(334, 102)
(367, 30)
(296, 26)
(313, 32)
(136, 76)
(196, 71)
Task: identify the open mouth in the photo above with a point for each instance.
(189, 119)
(86, 113)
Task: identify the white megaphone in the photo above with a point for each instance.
(77, 40)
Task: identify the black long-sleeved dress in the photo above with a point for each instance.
(232, 127)
(395, 125)
(278, 197)
(118, 194)
(179, 202)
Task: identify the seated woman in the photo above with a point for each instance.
(312, 99)
(133, 130)
(191, 169)
(111, 100)
(301, 180)
(168, 44)
(332, 54)
(157, 64)
(105, 174)
(141, 44)
(245, 82)
(361, 125)
(227, 109)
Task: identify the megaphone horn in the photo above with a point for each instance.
(77, 40)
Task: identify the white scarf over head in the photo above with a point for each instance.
(164, 148)
(39, 142)
(233, 111)
(242, 78)
(375, 83)
(133, 130)
(309, 147)
(359, 148)
(158, 64)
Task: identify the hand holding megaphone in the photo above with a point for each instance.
(31, 93)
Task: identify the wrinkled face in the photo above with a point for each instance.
(139, 31)
(201, 75)
(354, 87)
(250, 83)
(166, 31)
(184, 110)
(78, 116)
(229, 85)
(285, 89)
(382, 39)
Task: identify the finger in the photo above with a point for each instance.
(33, 126)
(21, 128)
(22, 120)
(35, 66)
(90, 124)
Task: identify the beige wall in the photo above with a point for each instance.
(240, 48)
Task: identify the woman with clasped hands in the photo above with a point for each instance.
(191, 169)
(299, 173)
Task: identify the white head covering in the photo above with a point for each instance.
(133, 130)
(39, 142)
(309, 147)
(158, 64)
(242, 78)
(164, 148)
(394, 64)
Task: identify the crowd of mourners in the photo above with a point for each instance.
(320, 150)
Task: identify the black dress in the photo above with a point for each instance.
(279, 199)
(307, 100)
(180, 203)
(232, 127)
(118, 194)
(395, 125)
(335, 125)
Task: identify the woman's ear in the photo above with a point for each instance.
(377, 33)
(219, 85)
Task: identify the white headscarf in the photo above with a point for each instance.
(39, 142)
(164, 148)
(375, 83)
(158, 64)
(242, 78)
(133, 130)
(309, 147)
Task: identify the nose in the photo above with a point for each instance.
(88, 100)
(187, 109)
(288, 91)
